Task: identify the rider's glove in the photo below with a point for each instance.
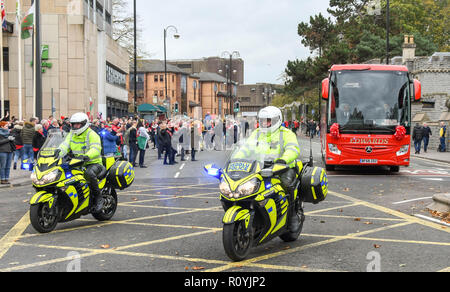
(84, 158)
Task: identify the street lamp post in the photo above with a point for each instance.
(135, 59)
(387, 31)
(230, 80)
(176, 36)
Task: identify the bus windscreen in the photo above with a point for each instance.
(377, 101)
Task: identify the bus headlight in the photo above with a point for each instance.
(403, 150)
(334, 149)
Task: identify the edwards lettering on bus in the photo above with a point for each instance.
(373, 141)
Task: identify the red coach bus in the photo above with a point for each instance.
(366, 116)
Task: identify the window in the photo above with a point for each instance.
(161, 93)
(99, 8)
(161, 78)
(155, 93)
(173, 93)
(156, 78)
(173, 78)
(6, 59)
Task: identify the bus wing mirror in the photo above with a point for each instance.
(417, 90)
(325, 88)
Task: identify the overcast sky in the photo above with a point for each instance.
(264, 32)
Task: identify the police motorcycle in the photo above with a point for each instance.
(63, 193)
(256, 204)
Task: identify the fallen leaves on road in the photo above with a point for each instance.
(105, 246)
(357, 219)
(445, 217)
(198, 268)
(376, 246)
(346, 189)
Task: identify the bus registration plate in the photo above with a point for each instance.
(369, 161)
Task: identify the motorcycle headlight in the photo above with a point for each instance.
(248, 188)
(403, 150)
(46, 179)
(224, 188)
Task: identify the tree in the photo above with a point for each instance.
(317, 34)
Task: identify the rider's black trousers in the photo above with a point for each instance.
(91, 175)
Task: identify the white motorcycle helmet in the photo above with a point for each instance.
(270, 119)
(79, 123)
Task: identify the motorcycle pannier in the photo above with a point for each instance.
(121, 175)
(314, 185)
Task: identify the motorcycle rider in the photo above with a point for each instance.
(281, 146)
(86, 145)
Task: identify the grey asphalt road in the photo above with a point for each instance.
(170, 221)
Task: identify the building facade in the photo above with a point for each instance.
(84, 69)
(213, 65)
(254, 97)
(194, 94)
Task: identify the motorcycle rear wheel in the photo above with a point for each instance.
(41, 220)
(110, 205)
(237, 240)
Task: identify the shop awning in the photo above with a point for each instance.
(161, 109)
(146, 108)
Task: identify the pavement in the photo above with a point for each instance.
(434, 156)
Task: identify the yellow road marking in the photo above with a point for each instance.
(8, 240)
(392, 212)
(446, 270)
(300, 248)
(332, 208)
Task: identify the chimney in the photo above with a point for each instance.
(409, 49)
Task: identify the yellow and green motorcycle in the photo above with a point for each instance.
(256, 204)
(63, 193)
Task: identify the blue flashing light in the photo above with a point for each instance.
(213, 172)
(26, 166)
(268, 186)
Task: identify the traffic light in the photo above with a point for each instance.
(176, 109)
(237, 107)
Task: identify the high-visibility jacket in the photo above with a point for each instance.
(87, 144)
(442, 132)
(279, 145)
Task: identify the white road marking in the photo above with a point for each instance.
(432, 219)
(177, 174)
(182, 166)
(408, 201)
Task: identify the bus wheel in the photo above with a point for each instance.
(395, 169)
(330, 167)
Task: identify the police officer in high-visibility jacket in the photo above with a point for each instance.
(279, 145)
(85, 144)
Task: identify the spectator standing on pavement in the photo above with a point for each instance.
(38, 140)
(18, 153)
(142, 140)
(27, 138)
(132, 142)
(109, 141)
(426, 136)
(442, 137)
(7, 147)
(165, 142)
(418, 137)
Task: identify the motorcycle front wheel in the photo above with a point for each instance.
(237, 240)
(41, 219)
